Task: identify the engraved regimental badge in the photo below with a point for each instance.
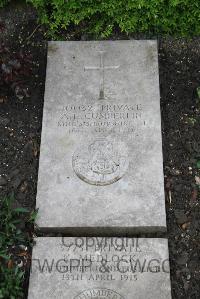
(99, 294)
(101, 163)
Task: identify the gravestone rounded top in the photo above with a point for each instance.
(101, 162)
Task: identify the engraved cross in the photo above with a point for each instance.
(102, 69)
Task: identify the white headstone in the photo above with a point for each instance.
(101, 151)
(100, 268)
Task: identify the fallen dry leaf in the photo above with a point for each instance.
(10, 264)
(185, 225)
(35, 149)
(170, 197)
(24, 253)
(194, 195)
(197, 180)
(23, 186)
(3, 99)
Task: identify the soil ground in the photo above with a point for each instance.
(20, 131)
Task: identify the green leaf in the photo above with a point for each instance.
(198, 92)
(21, 210)
(33, 216)
(198, 164)
(4, 256)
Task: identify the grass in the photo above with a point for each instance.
(198, 92)
(14, 244)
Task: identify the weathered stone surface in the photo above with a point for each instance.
(100, 268)
(101, 152)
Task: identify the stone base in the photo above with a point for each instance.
(100, 268)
